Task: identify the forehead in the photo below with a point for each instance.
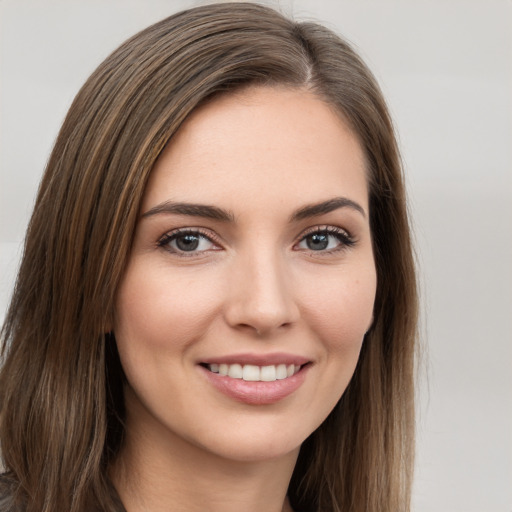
(278, 143)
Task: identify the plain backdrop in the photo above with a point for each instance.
(446, 69)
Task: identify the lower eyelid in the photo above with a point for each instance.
(344, 239)
(169, 237)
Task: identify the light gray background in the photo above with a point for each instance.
(446, 69)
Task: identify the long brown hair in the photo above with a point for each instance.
(61, 395)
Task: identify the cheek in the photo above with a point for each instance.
(340, 309)
(157, 311)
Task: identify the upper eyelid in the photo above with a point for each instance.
(345, 241)
(325, 227)
(345, 237)
(208, 234)
(217, 240)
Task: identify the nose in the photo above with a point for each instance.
(261, 298)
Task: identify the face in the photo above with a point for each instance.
(251, 282)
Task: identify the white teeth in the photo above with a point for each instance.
(268, 373)
(281, 372)
(235, 371)
(253, 373)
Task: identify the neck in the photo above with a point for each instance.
(165, 472)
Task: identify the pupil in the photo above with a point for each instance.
(187, 242)
(317, 242)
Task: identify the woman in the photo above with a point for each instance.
(216, 307)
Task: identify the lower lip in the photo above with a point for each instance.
(256, 393)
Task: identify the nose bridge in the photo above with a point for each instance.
(261, 291)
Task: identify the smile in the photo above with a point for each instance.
(253, 373)
(256, 379)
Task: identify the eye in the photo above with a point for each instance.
(187, 242)
(328, 239)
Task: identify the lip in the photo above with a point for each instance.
(255, 393)
(258, 359)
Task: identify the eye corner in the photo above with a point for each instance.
(330, 240)
(198, 238)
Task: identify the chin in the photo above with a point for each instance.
(256, 448)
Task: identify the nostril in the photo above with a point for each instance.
(260, 329)
(261, 300)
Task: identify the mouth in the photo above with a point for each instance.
(254, 373)
(257, 379)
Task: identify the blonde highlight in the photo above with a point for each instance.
(61, 404)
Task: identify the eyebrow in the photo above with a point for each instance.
(314, 210)
(216, 213)
(192, 209)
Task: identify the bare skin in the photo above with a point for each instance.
(253, 252)
(182, 477)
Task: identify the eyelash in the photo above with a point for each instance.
(174, 235)
(343, 237)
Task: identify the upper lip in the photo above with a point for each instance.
(258, 359)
